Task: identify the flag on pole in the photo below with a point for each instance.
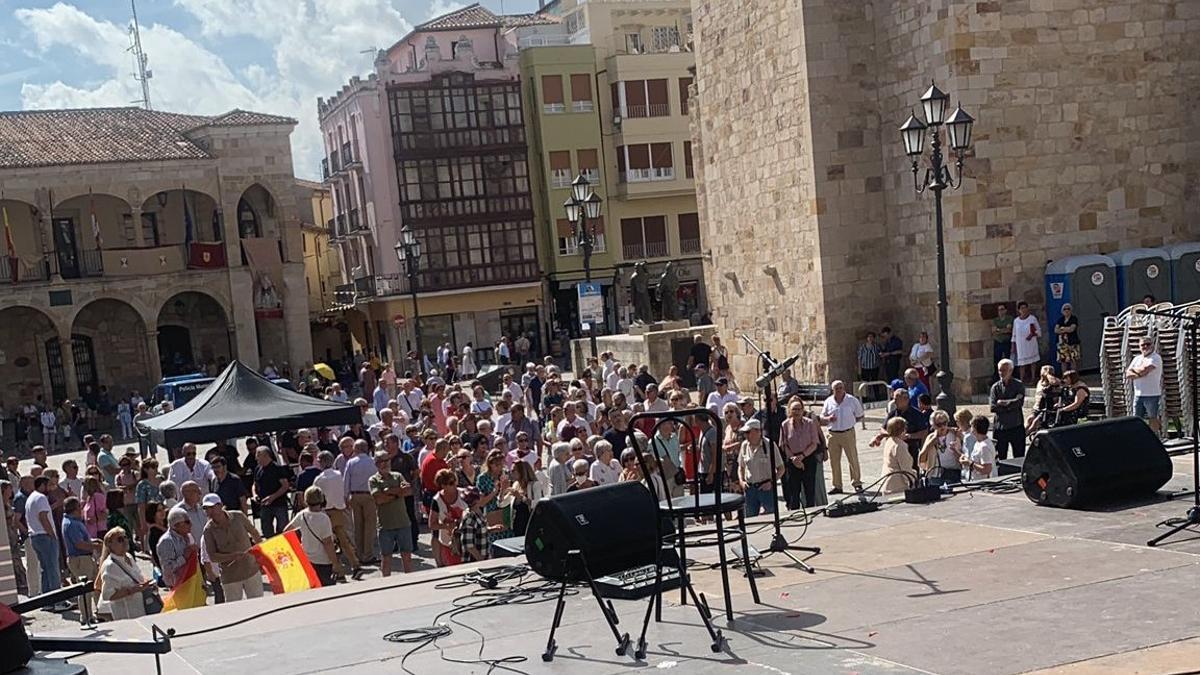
(283, 560)
(188, 226)
(188, 592)
(8, 242)
(95, 223)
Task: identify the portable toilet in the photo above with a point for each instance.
(1185, 272)
(1089, 283)
(1142, 272)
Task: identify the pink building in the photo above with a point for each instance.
(435, 139)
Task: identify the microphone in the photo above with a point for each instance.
(771, 374)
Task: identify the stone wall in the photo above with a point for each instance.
(1087, 141)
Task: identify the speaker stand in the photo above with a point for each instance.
(606, 608)
(1193, 514)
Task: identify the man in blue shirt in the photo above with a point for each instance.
(891, 350)
(78, 544)
(914, 385)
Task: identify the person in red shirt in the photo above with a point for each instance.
(434, 462)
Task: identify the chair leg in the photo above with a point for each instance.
(746, 556)
(724, 569)
(682, 540)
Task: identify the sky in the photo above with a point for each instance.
(206, 56)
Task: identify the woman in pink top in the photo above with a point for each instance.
(438, 405)
(95, 513)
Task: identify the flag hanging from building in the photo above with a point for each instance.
(188, 592)
(283, 561)
(12, 250)
(95, 223)
(188, 225)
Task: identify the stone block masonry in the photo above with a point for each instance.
(1087, 141)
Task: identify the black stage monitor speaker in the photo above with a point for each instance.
(1084, 464)
(614, 527)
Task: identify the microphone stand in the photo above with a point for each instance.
(779, 544)
(1193, 514)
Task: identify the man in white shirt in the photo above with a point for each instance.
(49, 430)
(717, 399)
(841, 412)
(571, 419)
(409, 397)
(612, 375)
(191, 468)
(333, 485)
(511, 387)
(1027, 333)
(387, 420)
(39, 519)
(1145, 372)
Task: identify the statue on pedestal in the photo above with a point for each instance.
(639, 284)
(668, 293)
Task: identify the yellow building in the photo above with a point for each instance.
(322, 269)
(606, 94)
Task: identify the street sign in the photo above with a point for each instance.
(398, 320)
(591, 303)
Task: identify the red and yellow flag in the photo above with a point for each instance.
(283, 560)
(188, 592)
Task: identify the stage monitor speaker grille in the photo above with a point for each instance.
(613, 526)
(1096, 462)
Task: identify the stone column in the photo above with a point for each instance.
(68, 360)
(155, 359)
(295, 315)
(244, 324)
(139, 239)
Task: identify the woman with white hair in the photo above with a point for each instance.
(942, 452)
(606, 469)
(560, 468)
(579, 470)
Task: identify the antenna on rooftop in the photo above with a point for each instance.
(143, 73)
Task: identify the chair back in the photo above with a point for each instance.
(656, 449)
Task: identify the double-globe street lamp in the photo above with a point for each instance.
(408, 252)
(937, 178)
(583, 209)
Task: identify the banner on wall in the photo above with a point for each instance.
(203, 255)
(266, 267)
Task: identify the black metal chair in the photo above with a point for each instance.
(697, 503)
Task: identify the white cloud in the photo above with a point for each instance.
(440, 7)
(315, 48)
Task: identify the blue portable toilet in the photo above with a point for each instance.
(1142, 272)
(1089, 283)
(1185, 272)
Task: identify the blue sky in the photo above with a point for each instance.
(207, 56)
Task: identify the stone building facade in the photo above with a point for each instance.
(1087, 140)
(131, 235)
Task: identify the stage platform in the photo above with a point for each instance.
(979, 583)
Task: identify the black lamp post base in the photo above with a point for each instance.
(945, 398)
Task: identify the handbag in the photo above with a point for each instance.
(151, 600)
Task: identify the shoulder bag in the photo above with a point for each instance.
(151, 600)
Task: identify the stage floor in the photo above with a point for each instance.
(979, 583)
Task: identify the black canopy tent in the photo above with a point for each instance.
(240, 402)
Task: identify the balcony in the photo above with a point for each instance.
(339, 227)
(325, 170)
(91, 264)
(335, 163)
(689, 245)
(329, 226)
(648, 175)
(649, 110)
(543, 41)
(364, 287)
(18, 271)
(353, 223)
(582, 106)
(639, 250)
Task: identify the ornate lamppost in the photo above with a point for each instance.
(583, 209)
(937, 179)
(408, 252)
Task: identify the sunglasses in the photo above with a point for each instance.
(121, 540)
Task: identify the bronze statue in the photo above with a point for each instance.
(639, 284)
(668, 293)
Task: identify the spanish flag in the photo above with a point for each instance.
(283, 561)
(188, 592)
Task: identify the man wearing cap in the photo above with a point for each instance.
(716, 400)
(175, 546)
(227, 538)
(189, 467)
(754, 469)
(840, 413)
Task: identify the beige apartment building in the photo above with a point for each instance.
(322, 269)
(142, 243)
(607, 96)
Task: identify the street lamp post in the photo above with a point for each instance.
(937, 179)
(408, 252)
(583, 208)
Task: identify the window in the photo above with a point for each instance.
(149, 229)
(684, 83)
(664, 38)
(568, 245)
(645, 98)
(248, 225)
(560, 169)
(644, 237)
(689, 233)
(576, 22)
(581, 93)
(633, 43)
(645, 162)
(589, 165)
(687, 160)
(552, 94)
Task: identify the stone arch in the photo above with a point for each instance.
(258, 213)
(119, 353)
(165, 216)
(193, 330)
(25, 369)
